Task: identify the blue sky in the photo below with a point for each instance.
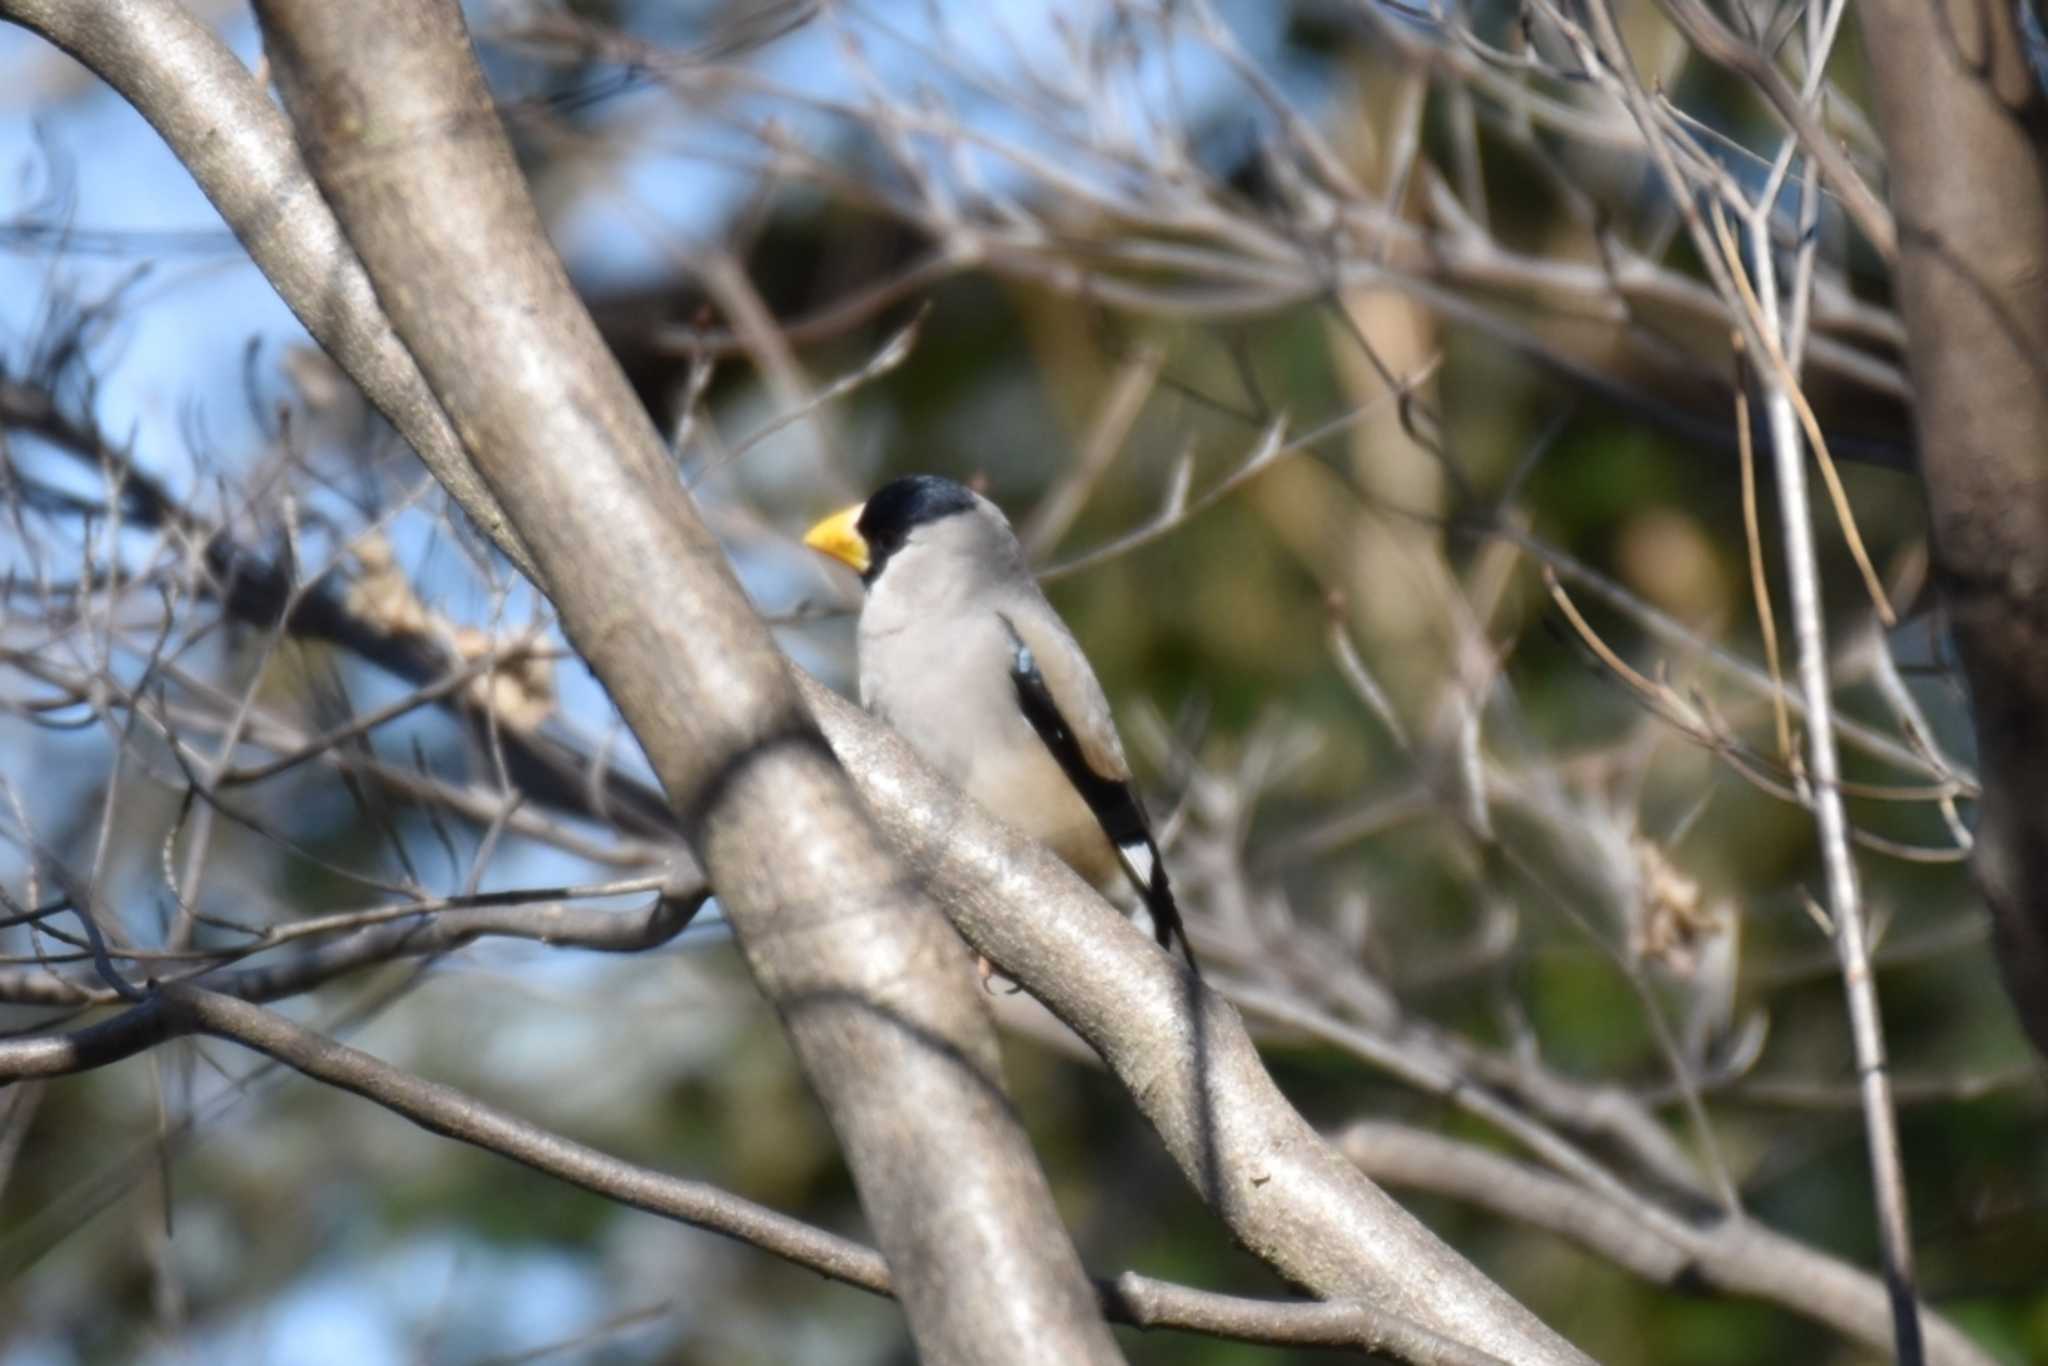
(173, 381)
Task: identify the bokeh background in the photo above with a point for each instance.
(1295, 495)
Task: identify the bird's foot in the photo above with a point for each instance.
(987, 970)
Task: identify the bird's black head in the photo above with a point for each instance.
(902, 506)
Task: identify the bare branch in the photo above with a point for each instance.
(446, 1111)
(874, 990)
(237, 145)
(1182, 1053)
(1733, 1255)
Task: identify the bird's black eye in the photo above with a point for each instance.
(901, 507)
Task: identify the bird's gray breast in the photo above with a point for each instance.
(944, 682)
(945, 686)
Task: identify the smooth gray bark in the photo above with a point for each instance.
(403, 138)
(238, 145)
(1284, 1192)
(1965, 128)
(1183, 1054)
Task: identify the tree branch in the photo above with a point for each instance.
(1963, 123)
(1182, 1052)
(238, 146)
(403, 137)
(1731, 1255)
(177, 1010)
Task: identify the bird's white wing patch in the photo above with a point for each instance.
(1139, 860)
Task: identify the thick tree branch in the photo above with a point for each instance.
(177, 1010)
(404, 140)
(238, 146)
(732, 742)
(1963, 123)
(1009, 885)
(1731, 1255)
(1182, 1052)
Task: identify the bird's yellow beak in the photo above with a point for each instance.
(839, 536)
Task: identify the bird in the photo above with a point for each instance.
(961, 653)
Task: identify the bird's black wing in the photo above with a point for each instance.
(1113, 800)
